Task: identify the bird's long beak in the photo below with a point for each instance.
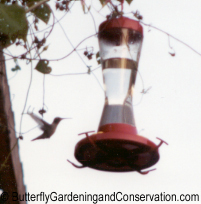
(65, 118)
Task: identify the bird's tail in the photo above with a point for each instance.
(39, 137)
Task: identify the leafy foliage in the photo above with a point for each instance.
(42, 67)
(102, 2)
(13, 21)
(129, 1)
(42, 12)
(13, 24)
(16, 68)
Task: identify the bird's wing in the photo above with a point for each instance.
(38, 120)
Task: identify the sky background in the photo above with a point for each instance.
(170, 110)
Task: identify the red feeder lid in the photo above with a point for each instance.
(116, 147)
(121, 22)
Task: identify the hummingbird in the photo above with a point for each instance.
(49, 129)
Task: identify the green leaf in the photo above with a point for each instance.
(83, 6)
(45, 48)
(42, 12)
(16, 68)
(42, 67)
(98, 54)
(129, 1)
(30, 3)
(13, 24)
(102, 2)
(98, 59)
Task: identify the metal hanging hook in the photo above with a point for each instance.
(161, 142)
(87, 136)
(79, 167)
(146, 172)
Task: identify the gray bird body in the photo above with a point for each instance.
(49, 129)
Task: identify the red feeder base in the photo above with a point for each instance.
(118, 148)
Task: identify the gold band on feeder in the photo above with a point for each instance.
(122, 63)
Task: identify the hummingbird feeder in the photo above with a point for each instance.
(117, 146)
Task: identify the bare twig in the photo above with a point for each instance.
(74, 48)
(31, 77)
(71, 74)
(171, 37)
